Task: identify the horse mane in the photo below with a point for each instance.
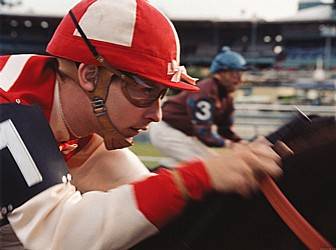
(320, 131)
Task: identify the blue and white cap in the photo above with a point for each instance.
(227, 59)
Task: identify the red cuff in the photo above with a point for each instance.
(196, 179)
(159, 199)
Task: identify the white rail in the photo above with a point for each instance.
(252, 120)
(309, 109)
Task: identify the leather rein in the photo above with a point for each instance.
(311, 238)
(294, 220)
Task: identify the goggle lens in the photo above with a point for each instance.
(140, 93)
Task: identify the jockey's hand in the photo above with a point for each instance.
(280, 147)
(240, 167)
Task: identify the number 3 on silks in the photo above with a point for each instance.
(203, 110)
(10, 138)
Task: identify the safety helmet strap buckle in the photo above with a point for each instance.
(112, 137)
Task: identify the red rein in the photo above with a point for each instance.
(294, 220)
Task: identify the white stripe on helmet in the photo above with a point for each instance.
(99, 24)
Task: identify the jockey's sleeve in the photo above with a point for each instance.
(63, 218)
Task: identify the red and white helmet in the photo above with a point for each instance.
(131, 35)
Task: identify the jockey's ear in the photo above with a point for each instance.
(87, 76)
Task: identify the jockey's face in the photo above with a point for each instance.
(230, 79)
(128, 118)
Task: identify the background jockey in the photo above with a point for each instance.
(200, 120)
(111, 63)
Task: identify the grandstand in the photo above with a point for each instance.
(25, 34)
(293, 44)
(289, 43)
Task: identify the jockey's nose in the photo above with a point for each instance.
(154, 112)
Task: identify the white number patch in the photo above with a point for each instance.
(10, 138)
(203, 112)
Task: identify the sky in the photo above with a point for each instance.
(219, 9)
(188, 9)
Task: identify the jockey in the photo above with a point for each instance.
(203, 120)
(111, 63)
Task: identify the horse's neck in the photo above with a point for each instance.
(311, 171)
(313, 138)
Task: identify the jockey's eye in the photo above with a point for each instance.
(140, 92)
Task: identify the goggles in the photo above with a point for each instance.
(137, 91)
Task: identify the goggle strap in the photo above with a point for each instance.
(81, 32)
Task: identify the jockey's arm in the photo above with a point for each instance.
(133, 205)
(63, 218)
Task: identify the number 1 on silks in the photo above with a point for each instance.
(10, 138)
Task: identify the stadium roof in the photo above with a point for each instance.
(54, 9)
(213, 10)
(189, 10)
(174, 10)
(323, 12)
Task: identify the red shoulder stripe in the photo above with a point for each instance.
(3, 60)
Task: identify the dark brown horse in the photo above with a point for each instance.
(232, 222)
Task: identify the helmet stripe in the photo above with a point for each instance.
(112, 28)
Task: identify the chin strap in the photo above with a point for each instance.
(112, 137)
